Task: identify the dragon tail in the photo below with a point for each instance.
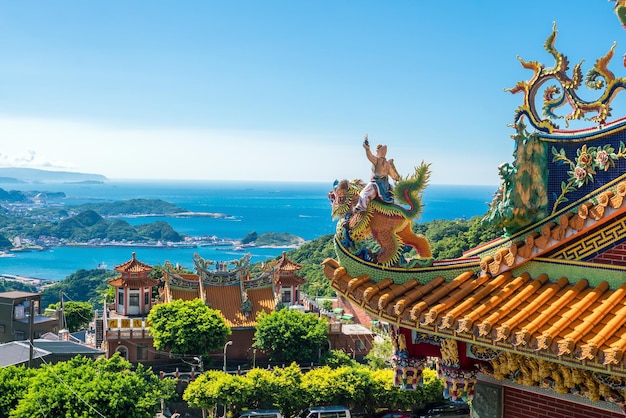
(408, 191)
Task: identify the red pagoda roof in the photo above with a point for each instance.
(133, 266)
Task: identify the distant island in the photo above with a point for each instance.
(33, 175)
(29, 223)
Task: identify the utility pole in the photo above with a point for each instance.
(30, 332)
(62, 312)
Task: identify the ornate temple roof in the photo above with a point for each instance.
(133, 266)
(572, 322)
(225, 286)
(285, 264)
(285, 272)
(134, 273)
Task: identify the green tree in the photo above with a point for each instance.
(14, 383)
(264, 388)
(289, 335)
(289, 397)
(377, 358)
(82, 285)
(206, 391)
(187, 328)
(85, 388)
(337, 358)
(77, 315)
(5, 244)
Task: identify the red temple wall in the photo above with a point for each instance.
(615, 256)
(521, 404)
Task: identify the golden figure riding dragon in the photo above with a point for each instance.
(375, 219)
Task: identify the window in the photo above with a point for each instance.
(120, 297)
(133, 299)
(19, 335)
(1, 328)
(142, 352)
(285, 294)
(359, 345)
(146, 298)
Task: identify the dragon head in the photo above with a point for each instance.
(344, 196)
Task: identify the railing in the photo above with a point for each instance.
(190, 376)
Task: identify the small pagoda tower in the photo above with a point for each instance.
(287, 282)
(133, 289)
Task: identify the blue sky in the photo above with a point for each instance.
(278, 90)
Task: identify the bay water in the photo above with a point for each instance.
(302, 209)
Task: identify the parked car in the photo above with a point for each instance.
(326, 412)
(445, 410)
(390, 414)
(261, 413)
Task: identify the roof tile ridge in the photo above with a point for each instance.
(565, 345)
(544, 340)
(466, 323)
(515, 300)
(615, 353)
(603, 335)
(416, 293)
(418, 307)
(548, 291)
(446, 290)
(563, 298)
(357, 281)
(447, 321)
(395, 291)
(375, 288)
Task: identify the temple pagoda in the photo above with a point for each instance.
(287, 282)
(133, 288)
(532, 323)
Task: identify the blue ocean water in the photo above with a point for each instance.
(301, 209)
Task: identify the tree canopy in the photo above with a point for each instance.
(187, 328)
(289, 335)
(290, 390)
(77, 315)
(82, 387)
(82, 285)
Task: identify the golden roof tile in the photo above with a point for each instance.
(572, 322)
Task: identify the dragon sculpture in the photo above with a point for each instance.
(381, 233)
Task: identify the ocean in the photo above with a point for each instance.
(301, 209)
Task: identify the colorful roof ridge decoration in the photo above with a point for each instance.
(568, 228)
(225, 286)
(381, 232)
(597, 78)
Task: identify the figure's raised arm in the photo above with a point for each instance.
(393, 173)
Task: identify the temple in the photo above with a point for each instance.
(533, 321)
